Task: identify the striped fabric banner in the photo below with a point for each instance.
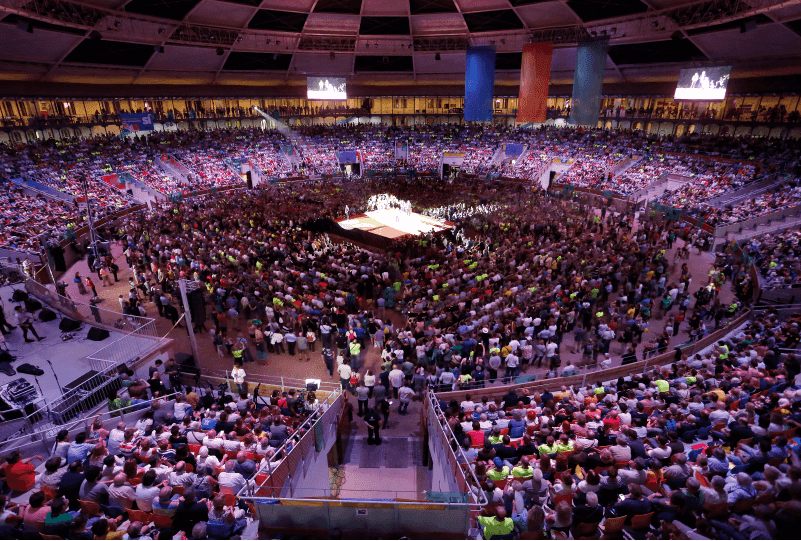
(535, 75)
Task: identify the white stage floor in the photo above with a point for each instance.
(392, 223)
(69, 358)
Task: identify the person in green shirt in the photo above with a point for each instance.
(564, 445)
(495, 522)
(57, 516)
(662, 385)
(547, 448)
(523, 469)
(499, 472)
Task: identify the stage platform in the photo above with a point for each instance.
(391, 224)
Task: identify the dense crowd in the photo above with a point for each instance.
(520, 280)
(784, 195)
(175, 469)
(776, 255)
(625, 452)
(211, 159)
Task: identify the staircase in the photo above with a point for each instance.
(747, 192)
(771, 226)
(175, 169)
(626, 164)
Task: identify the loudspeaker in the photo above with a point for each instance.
(249, 180)
(6, 357)
(68, 325)
(552, 176)
(130, 192)
(97, 335)
(47, 315)
(197, 306)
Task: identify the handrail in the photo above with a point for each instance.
(45, 433)
(289, 445)
(481, 500)
(607, 374)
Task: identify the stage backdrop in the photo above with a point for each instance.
(479, 82)
(588, 82)
(535, 74)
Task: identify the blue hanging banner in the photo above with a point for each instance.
(585, 106)
(136, 122)
(479, 83)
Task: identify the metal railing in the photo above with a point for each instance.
(92, 314)
(457, 456)
(46, 436)
(325, 412)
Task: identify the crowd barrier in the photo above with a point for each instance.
(609, 374)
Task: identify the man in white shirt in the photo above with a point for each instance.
(230, 479)
(405, 394)
(120, 494)
(512, 363)
(395, 379)
(212, 441)
(115, 438)
(467, 404)
(345, 372)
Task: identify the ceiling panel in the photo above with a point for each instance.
(593, 10)
(481, 5)
(288, 5)
(251, 3)
(281, 21)
(564, 59)
(383, 63)
(767, 41)
(492, 21)
(185, 58)
(448, 63)
(332, 23)
(382, 8)
(656, 52)
(432, 6)
(377, 26)
(317, 64)
(113, 53)
(547, 14)
(174, 9)
(41, 45)
(338, 6)
(438, 24)
(242, 61)
(222, 13)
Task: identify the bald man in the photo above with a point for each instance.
(120, 493)
(495, 522)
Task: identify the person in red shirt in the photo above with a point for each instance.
(20, 474)
(476, 435)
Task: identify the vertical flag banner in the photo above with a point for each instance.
(535, 75)
(479, 82)
(588, 82)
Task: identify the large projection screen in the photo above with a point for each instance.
(325, 88)
(705, 84)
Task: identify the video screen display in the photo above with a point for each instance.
(706, 84)
(325, 88)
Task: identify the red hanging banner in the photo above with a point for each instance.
(535, 75)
